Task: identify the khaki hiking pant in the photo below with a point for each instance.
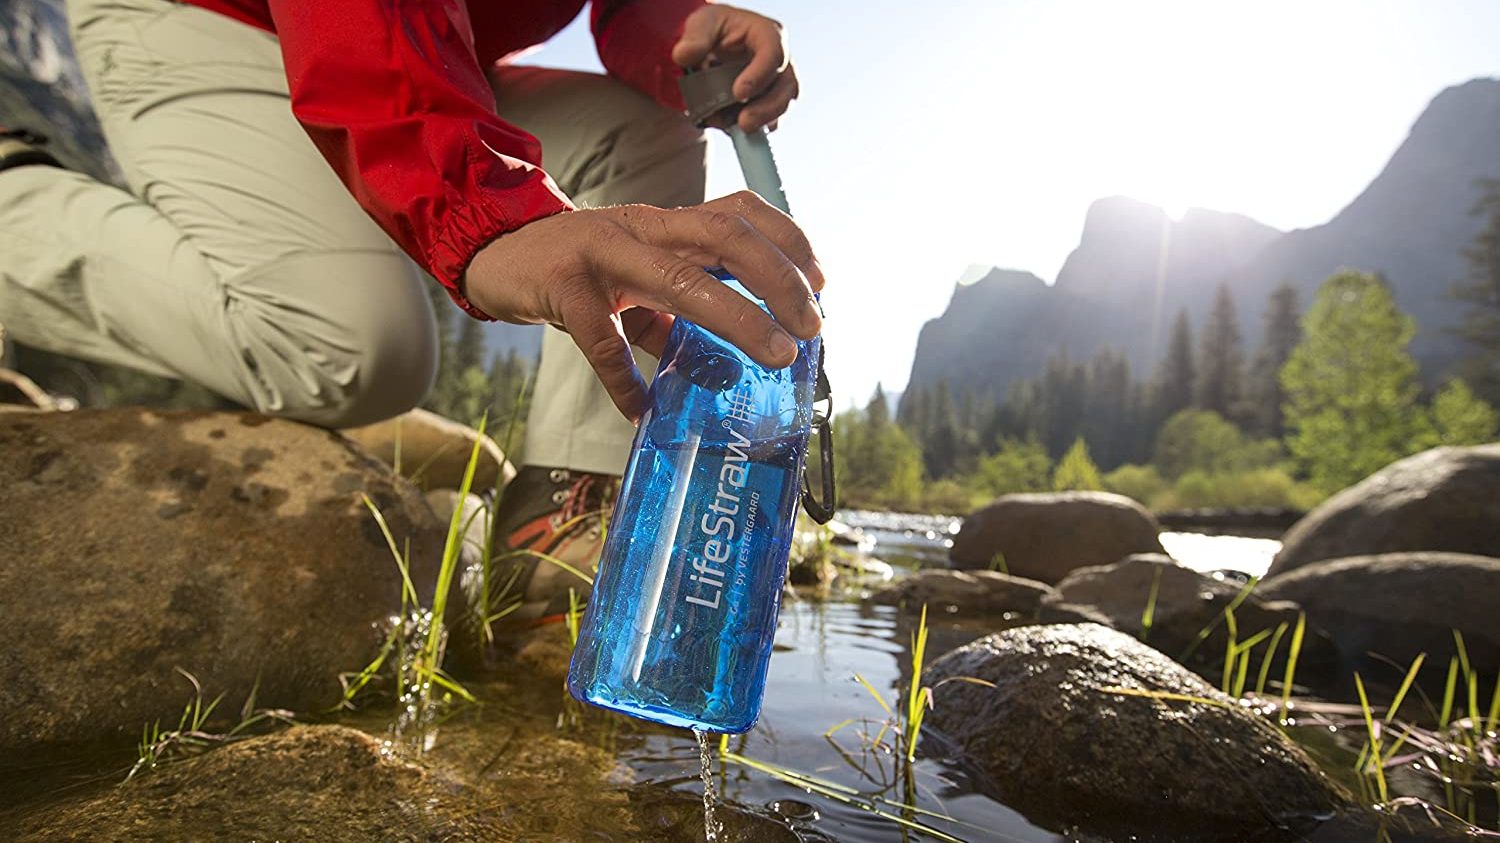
(236, 259)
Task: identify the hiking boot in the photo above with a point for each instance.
(20, 147)
(549, 520)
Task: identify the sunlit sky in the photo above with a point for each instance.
(931, 137)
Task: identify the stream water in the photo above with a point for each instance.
(561, 764)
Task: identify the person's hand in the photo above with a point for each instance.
(768, 85)
(615, 276)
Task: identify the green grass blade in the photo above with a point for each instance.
(916, 696)
(1270, 656)
(1229, 647)
(1241, 674)
(1493, 716)
(832, 730)
(1463, 652)
(447, 683)
(1411, 675)
(546, 557)
(1149, 614)
(1293, 653)
(1448, 692)
(874, 694)
(1374, 734)
(408, 591)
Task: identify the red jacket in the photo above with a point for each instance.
(393, 94)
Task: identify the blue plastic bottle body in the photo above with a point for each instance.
(682, 616)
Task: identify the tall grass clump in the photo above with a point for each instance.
(418, 636)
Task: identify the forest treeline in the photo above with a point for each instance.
(1330, 396)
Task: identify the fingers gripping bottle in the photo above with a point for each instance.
(682, 616)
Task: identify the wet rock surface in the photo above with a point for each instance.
(1398, 605)
(1059, 745)
(1187, 618)
(976, 593)
(231, 546)
(1444, 499)
(1044, 536)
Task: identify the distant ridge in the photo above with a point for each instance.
(1134, 267)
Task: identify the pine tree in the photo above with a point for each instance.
(914, 411)
(877, 412)
(940, 444)
(1351, 386)
(1283, 332)
(1461, 418)
(441, 399)
(1220, 375)
(879, 464)
(1105, 417)
(1076, 471)
(1064, 388)
(1138, 424)
(468, 351)
(1176, 373)
(1481, 292)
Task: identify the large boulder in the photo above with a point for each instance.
(983, 593)
(1384, 610)
(235, 547)
(1063, 745)
(1188, 617)
(1442, 499)
(1044, 536)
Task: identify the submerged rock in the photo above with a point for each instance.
(232, 546)
(1063, 747)
(1187, 619)
(1398, 605)
(1443, 499)
(334, 784)
(327, 783)
(965, 592)
(1044, 536)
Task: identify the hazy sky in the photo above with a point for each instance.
(933, 136)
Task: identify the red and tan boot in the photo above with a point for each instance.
(549, 529)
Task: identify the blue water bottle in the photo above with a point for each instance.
(682, 616)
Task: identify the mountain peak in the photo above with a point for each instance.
(1132, 251)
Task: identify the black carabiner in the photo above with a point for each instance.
(821, 509)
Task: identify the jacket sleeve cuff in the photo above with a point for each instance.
(474, 224)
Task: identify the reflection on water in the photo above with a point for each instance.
(903, 539)
(1203, 552)
(912, 541)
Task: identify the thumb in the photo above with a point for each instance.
(701, 33)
